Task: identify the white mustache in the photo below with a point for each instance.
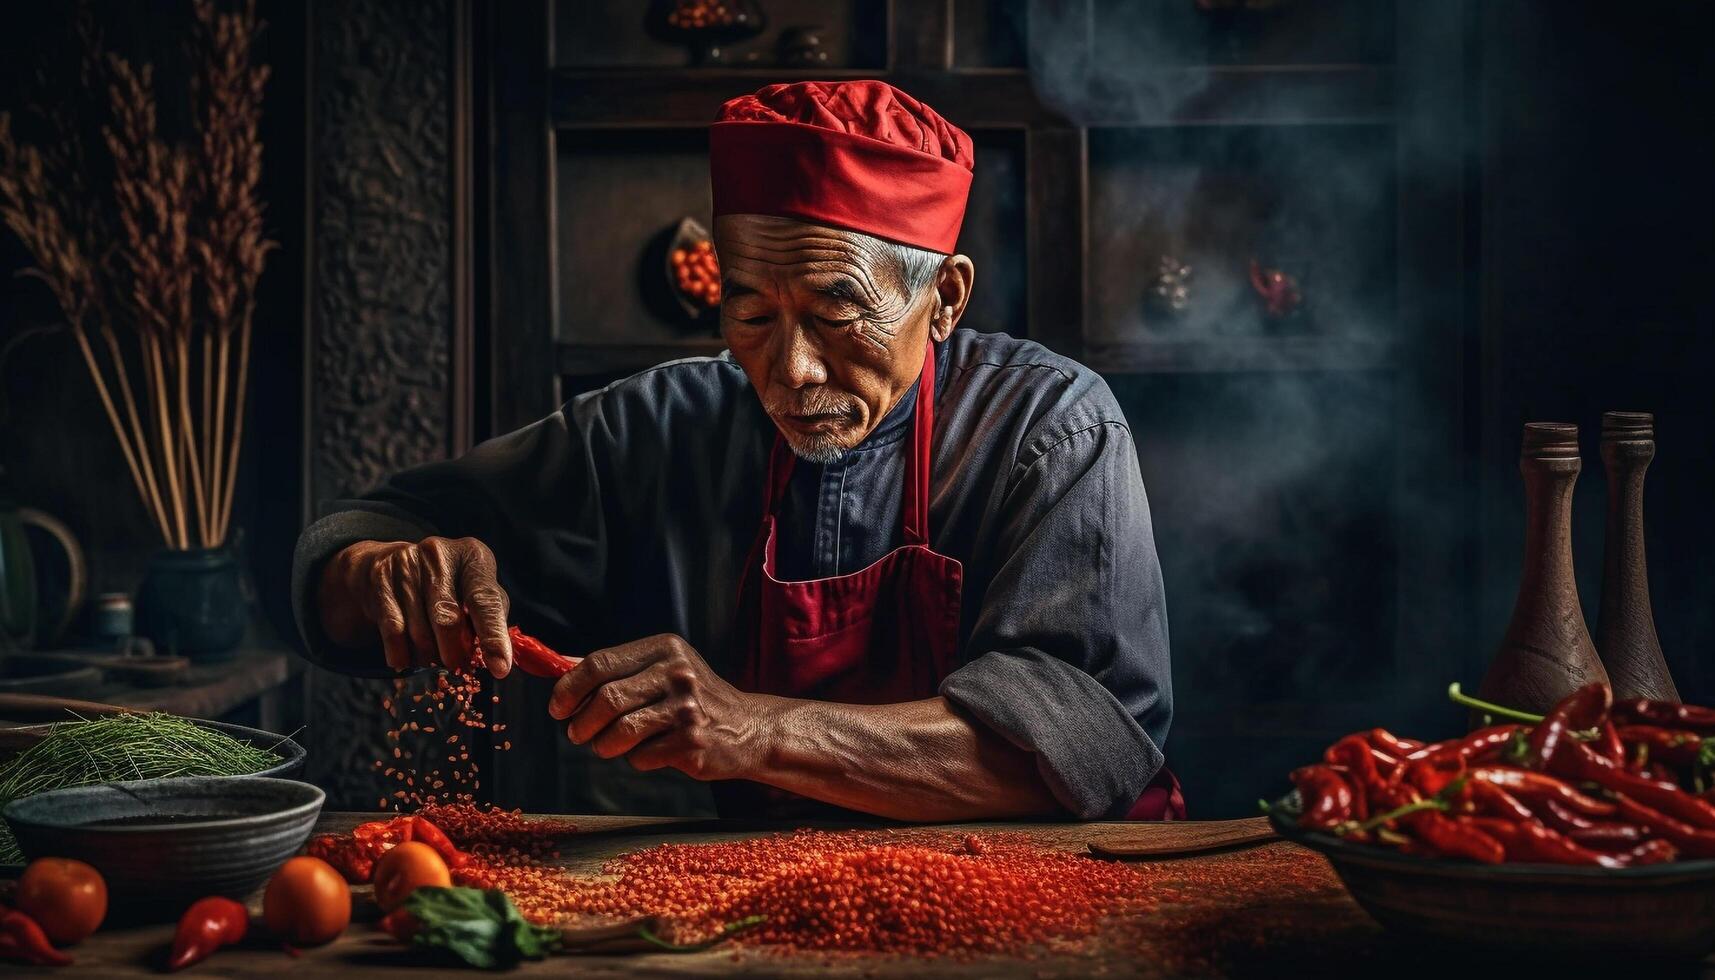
(814, 405)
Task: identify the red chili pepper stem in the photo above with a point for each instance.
(1461, 698)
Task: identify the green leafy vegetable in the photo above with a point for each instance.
(481, 927)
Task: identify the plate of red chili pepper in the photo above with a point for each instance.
(1591, 827)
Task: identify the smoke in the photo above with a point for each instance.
(1278, 454)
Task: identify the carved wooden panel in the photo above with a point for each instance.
(382, 318)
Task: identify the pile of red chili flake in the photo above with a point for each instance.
(918, 892)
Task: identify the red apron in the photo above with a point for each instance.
(881, 635)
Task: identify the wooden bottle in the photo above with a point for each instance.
(1546, 652)
(1625, 626)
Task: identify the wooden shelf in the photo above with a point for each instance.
(1000, 98)
(574, 358)
(1242, 354)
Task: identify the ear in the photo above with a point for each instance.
(952, 291)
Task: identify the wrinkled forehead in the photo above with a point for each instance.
(756, 245)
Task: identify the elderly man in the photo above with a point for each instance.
(863, 559)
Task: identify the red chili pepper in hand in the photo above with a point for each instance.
(1326, 794)
(206, 926)
(1577, 761)
(1531, 786)
(537, 659)
(1583, 708)
(1646, 712)
(23, 941)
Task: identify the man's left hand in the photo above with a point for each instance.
(658, 703)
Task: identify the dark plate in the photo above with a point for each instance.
(1661, 910)
(163, 843)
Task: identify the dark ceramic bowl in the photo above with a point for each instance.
(164, 843)
(1656, 911)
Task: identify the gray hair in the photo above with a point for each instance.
(917, 266)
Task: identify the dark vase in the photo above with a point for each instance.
(1625, 626)
(1546, 653)
(192, 603)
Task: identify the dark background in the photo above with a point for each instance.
(1499, 212)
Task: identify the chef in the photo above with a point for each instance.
(867, 558)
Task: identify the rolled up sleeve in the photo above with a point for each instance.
(1068, 658)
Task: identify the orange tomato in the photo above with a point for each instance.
(406, 868)
(307, 902)
(67, 898)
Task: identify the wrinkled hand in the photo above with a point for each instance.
(656, 702)
(429, 601)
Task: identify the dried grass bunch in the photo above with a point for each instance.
(157, 278)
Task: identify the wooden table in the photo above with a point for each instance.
(1287, 925)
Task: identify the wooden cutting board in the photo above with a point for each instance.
(1156, 841)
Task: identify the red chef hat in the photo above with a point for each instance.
(860, 155)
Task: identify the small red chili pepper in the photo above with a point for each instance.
(1676, 747)
(427, 833)
(1561, 817)
(1608, 836)
(1529, 785)
(1357, 755)
(1646, 712)
(1609, 745)
(1392, 744)
(1471, 748)
(400, 924)
(1690, 840)
(1577, 761)
(1655, 851)
(23, 941)
(1326, 794)
(1534, 842)
(206, 926)
(1453, 838)
(1583, 708)
(1495, 801)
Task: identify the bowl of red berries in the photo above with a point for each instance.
(693, 271)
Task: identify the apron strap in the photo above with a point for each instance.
(917, 455)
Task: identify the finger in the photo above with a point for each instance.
(602, 667)
(442, 607)
(656, 752)
(389, 618)
(487, 605)
(405, 584)
(611, 701)
(628, 730)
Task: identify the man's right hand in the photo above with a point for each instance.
(429, 601)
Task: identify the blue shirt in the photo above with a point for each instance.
(631, 510)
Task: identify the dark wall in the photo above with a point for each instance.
(1596, 244)
(55, 442)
